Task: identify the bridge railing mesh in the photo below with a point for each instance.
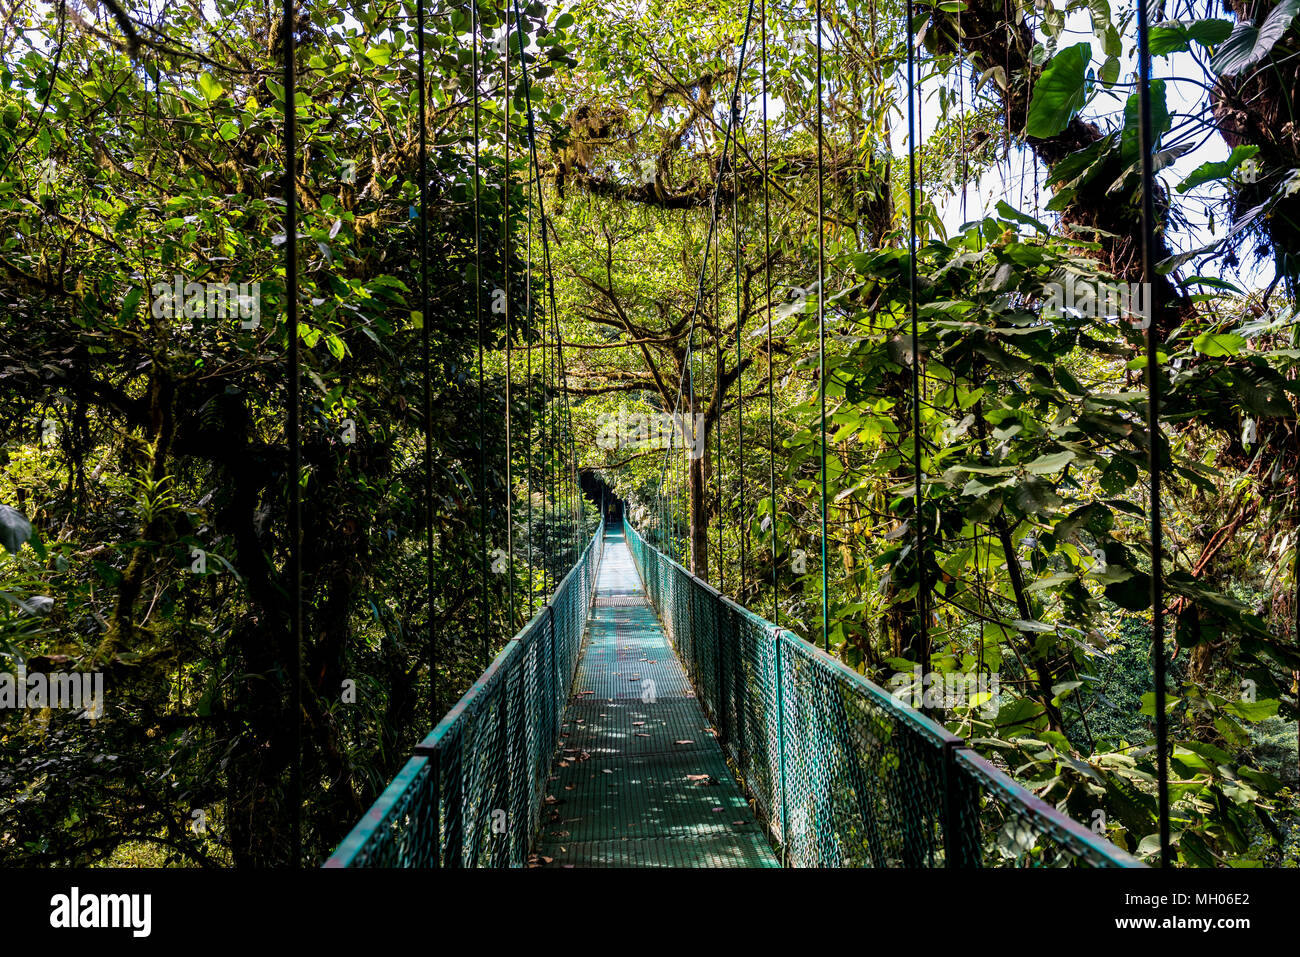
(471, 794)
(841, 772)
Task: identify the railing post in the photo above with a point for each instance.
(455, 811)
(720, 691)
(553, 698)
(427, 830)
(780, 744)
(954, 844)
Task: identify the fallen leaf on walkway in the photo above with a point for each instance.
(569, 787)
(552, 799)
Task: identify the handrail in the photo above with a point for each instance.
(470, 794)
(842, 772)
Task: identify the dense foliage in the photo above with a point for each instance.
(143, 499)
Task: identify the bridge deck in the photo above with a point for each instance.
(638, 779)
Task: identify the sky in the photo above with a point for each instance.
(1014, 181)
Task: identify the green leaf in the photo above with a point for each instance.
(1009, 212)
(1219, 344)
(1109, 72)
(1248, 44)
(1174, 36)
(1261, 390)
(1253, 710)
(1060, 91)
(1035, 496)
(15, 530)
(210, 88)
(1130, 139)
(129, 303)
(1222, 169)
(1050, 463)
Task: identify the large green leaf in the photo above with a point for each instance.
(1175, 36)
(1130, 139)
(1060, 91)
(1221, 169)
(15, 530)
(1219, 344)
(1248, 44)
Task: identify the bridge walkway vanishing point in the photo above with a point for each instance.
(639, 779)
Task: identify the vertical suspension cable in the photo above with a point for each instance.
(742, 518)
(426, 358)
(528, 385)
(484, 610)
(717, 380)
(293, 657)
(693, 519)
(922, 615)
(821, 327)
(1153, 431)
(767, 283)
(505, 288)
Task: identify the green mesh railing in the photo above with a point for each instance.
(841, 773)
(471, 794)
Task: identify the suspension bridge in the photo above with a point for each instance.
(642, 718)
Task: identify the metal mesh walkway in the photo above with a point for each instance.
(639, 779)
